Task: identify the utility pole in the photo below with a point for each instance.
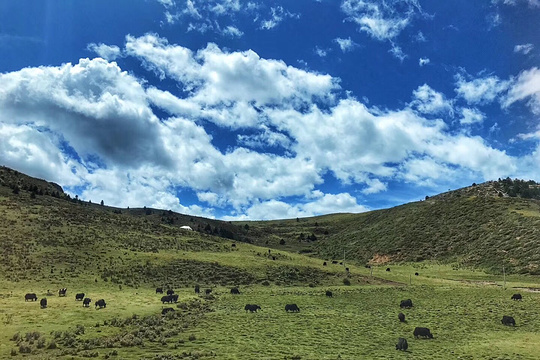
(504, 279)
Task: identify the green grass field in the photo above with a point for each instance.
(461, 307)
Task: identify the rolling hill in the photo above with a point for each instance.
(479, 226)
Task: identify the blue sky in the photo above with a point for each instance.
(269, 109)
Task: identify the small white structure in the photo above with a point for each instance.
(185, 227)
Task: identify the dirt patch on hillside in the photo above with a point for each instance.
(379, 259)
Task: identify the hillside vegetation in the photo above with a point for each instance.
(478, 226)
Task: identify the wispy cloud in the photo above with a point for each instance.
(320, 52)
(107, 52)
(524, 48)
(277, 15)
(423, 61)
(346, 45)
(382, 20)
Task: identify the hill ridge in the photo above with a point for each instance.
(488, 225)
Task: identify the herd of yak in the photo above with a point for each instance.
(62, 292)
(171, 297)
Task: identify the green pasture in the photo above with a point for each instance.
(462, 307)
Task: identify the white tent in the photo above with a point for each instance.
(185, 227)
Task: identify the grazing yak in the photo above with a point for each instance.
(334, 262)
(387, 269)
(43, 303)
(62, 292)
(235, 291)
(402, 344)
(329, 293)
(401, 317)
(422, 332)
(252, 308)
(31, 297)
(406, 303)
(174, 298)
(197, 289)
(159, 290)
(79, 297)
(415, 274)
(517, 297)
(508, 320)
(167, 310)
(167, 299)
(324, 263)
(292, 307)
(368, 266)
(170, 292)
(207, 291)
(86, 302)
(101, 303)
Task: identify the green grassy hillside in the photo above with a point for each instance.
(476, 226)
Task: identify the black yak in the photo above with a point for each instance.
(252, 308)
(422, 332)
(402, 344)
(508, 320)
(101, 304)
(292, 307)
(31, 297)
(406, 303)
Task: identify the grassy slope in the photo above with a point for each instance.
(469, 227)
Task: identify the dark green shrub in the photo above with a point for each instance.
(25, 349)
